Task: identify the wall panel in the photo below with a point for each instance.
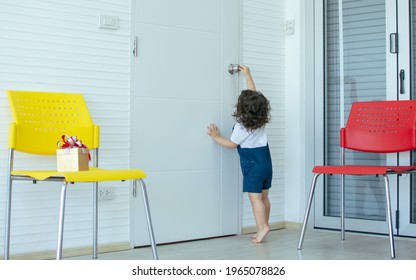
(263, 50)
(56, 45)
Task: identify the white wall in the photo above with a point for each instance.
(263, 49)
(56, 45)
(293, 117)
(299, 108)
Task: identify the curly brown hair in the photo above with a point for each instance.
(252, 110)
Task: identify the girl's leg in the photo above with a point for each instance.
(261, 210)
(266, 202)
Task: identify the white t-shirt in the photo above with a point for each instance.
(249, 139)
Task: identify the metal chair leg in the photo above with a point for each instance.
(8, 206)
(95, 210)
(61, 222)
(307, 212)
(8, 218)
(149, 220)
(95, 222)
(389, 217)
(342, 207)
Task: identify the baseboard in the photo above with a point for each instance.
(293, 225)
(72, 252)
(274, 226)
(253, 229)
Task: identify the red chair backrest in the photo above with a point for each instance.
(380, 127)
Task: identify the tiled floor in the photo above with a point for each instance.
(279, 245)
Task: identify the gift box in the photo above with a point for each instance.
(73, 155)
(72, 159)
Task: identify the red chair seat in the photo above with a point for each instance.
(362, 169)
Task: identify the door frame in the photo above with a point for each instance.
(404, 26)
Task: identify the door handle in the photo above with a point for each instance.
(135, 46)
(394, 43)
(401, 75)
(233, 68)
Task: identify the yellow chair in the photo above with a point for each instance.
(43, 118)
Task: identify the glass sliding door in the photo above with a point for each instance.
(366, 47)
(364, 75)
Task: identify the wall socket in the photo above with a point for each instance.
(105, 193)
(290, 27)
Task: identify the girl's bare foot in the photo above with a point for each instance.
(261, 234)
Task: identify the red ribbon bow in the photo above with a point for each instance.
(72, 142)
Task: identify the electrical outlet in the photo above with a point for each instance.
(105, 193)
(290, 27)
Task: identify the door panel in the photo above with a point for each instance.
(181, 83)
(183, 14)
(169, 56)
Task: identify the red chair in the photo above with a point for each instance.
(375, 127)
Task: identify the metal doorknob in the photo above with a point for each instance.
(233, 68)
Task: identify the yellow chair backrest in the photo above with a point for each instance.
(41, 118)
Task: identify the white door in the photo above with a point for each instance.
(372, 61)
(180, 84)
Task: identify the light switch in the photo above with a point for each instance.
(108, 22)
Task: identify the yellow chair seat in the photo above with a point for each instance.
(95, 174)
